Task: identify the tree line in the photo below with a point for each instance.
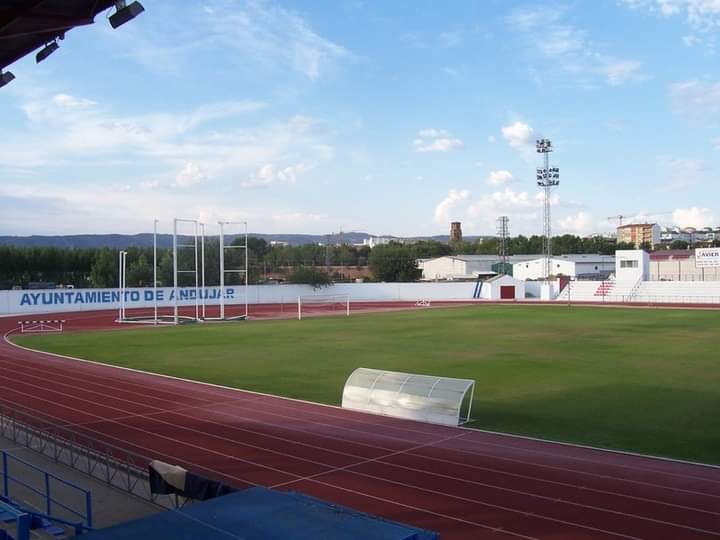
(98, 267)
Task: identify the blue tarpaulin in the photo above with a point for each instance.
(262, 514)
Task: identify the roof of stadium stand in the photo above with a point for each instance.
(27, 25)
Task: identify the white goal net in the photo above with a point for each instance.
(336, 304)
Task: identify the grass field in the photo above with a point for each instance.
(633, 379)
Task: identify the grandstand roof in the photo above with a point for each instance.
(667, 254)
(26, 25)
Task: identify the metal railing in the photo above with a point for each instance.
(115, 466)
(48, 481)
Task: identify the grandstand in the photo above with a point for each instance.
(633, 284)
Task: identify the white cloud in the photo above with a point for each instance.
(580, 223)
(693, 217)
(269, 174)
(499, 177)
(568, 48)
(436, 140)
(74, 208)
(149, 184)
(619, 72)
(190, 175)
(519, 135)
(71, 102)
(442, 210)
(183, 149)
(701, 16)
(251, 35)
(696, 100)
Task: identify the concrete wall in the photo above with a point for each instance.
(58, 300)
(542, 290)
(681, 270)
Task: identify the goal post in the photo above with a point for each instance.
(333, 304)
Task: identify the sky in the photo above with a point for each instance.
(385, 117)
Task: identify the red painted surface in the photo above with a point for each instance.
(507, 292)
(466, 484)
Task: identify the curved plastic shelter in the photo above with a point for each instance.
(437, 400)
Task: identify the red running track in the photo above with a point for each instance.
(466, 484)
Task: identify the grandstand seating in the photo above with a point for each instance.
(698, 292)
(676, 292)
(597, 291)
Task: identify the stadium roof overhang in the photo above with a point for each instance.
(27, 25)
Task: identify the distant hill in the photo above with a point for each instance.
(122, 241)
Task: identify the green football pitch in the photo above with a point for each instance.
(643, 380)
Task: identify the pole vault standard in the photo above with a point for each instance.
(122, 264)
(194, 271)
(155, 280)
(240, 271)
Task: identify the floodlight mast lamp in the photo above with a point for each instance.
(547, 179)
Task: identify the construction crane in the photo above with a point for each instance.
(621, 217)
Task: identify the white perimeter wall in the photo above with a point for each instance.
(59, 300)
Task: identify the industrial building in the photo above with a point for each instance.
(582, 266)
(466, 267)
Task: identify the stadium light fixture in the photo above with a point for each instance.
(543, 146)
(46, 51)
(125, 12)
(5, 77)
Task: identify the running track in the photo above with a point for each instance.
(466, 484)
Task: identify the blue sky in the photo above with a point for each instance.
(386, 117)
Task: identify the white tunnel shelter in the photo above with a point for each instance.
(437, 400)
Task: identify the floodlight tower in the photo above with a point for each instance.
(502, 234)
(547, 179)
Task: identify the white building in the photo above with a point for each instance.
(501, 288)
(464, 267)
(632, 265)
(377, 241)
(585, 266)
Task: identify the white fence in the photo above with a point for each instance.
(60, 300)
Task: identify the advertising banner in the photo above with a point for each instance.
(707, 257)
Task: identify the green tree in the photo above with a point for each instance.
(104, 270)
(679, 244)
(394, 262)
(139, 272)
(308, 275)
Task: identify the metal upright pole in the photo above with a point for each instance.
(247, 270)
(197, 283)
(175, 272)
(120, 287)
(155, 263)
(124, 284)
(222, 270)
(202, 265)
